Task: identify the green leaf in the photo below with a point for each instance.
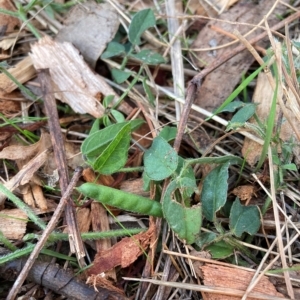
(95, 126)
(168, 133)
(96, 142)
(220, 250)
(205, 238)
(184, 172)
(243, 219)
(148, 92)
(119, 76)
(115, 155)
(231, 107)
(118, 116)
(291, 167)
(113, 49)
(214, 191)
(121, 199)
(148, 57)
(184, 221)
(244, 114)
(160, 160)
(107, 100)
(141, 21)
(239, 89)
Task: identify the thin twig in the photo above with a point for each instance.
(75, 240)
(42, 241)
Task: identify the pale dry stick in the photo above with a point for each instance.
(256, 26)
(43, 239)
(249, 47)
(208, 289)
(288, 5)
(175, 54)
(75, 241)
(277, 54)
(256, 277)
(262, 250)
(277, 225)
(269, 76)
(181, 100)
(291, 86)
(290, 58)
(278, 207)
(220, 263)
(287, 232)
(271, 263)
(240, 48)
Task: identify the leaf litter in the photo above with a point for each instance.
(148, 61)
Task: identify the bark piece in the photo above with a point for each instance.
(84, 219)
(75, 241)
(25, 174)
(81, 28)
(57, 279)
(74, 82)
(22, 71)
(122, 254)
(226, 277)
(218, 85)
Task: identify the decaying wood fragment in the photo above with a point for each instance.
(26, 173)
(236, 279)
(73, 81)
(22, 71)
(60, 281)
(76, 244)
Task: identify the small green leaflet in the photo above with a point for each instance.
(120, 76)
(160, 160)
(113, 49)
(114, 156)
(243, 219)
(149, 57)
(214, 191)
(184, 221)
(96, 142)
(141, 21)
(244, 114)
(220, 250)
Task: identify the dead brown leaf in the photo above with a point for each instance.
(8, 21)
(263, 96)
(218, 85)
(121, 254)
(244, 192)
(18, 152)
(81, 28)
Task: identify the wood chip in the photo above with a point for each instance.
(22, 71)
(226, 277)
